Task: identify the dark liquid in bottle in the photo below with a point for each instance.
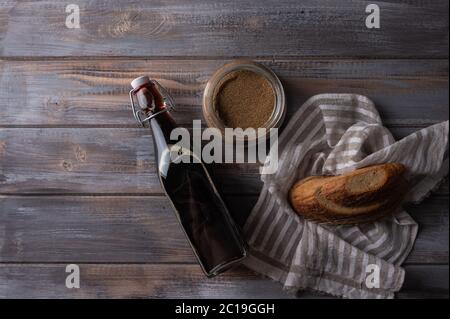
(202, 214)
(200, 209)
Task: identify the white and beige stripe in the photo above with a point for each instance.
(332, 134)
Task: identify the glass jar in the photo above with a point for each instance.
(210, 112)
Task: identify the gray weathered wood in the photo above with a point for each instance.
(100, 160)
(426, 282)
(177, 281)
(77, 176)
(431, 245)
(74, 160)
(225, 28)
(134, 229)
(95, 93)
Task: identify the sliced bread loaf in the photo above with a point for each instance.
(363, 195)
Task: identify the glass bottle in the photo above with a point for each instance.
(212, 233)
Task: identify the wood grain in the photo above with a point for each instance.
(233, 28)
(100, 161)
(178, 281)
(128, 229)
(95, 92)
(77, 181)
(77, 160)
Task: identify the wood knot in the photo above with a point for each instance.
(254, 23)
(133, 23)
(67, 165)
(2, 147)
(124, 23)
(56, 105)
(80, 154)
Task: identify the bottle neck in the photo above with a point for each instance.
(151, 102)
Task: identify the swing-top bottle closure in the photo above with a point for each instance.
(142, 116)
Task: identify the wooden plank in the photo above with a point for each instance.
(178, 281)
(101, 161)
(431, 245)
(144, 229)
(89, 229)
(232, 28)
(426, 282)
(95, 92)
(77, 160)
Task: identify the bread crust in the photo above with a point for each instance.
(359, 196)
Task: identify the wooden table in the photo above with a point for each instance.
(77, 177)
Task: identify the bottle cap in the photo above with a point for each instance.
(137, 82)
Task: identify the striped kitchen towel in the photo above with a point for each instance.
(333, 134)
